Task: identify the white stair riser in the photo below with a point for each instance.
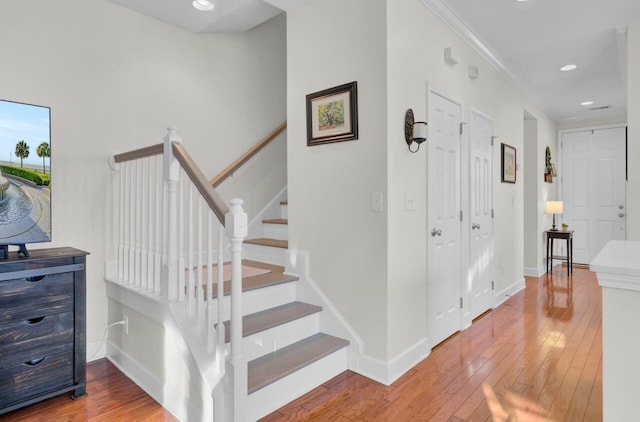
(267, 341)
(284, 211)
(261, 299)
(281, 392)
(274, 256)
(275, 231)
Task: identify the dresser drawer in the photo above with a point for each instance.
(31, 338)
(39, 376)
(35, 297)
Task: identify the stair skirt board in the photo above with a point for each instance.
(272, 397)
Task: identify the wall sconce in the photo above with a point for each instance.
(554, 207)
(414, 131)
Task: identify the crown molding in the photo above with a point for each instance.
(453, 20)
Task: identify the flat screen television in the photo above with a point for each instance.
(25, 180)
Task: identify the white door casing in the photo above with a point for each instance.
(444, 227)
(594, 188)
(480, 220)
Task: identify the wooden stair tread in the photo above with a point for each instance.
(274, 243)
(270, 368)
(276, 276)
(276, 221)
(269, 318)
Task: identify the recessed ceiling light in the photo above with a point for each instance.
(521, 1)
(568, 67)
(203, 5)
(586, 103)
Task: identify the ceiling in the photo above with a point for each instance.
(528, 41)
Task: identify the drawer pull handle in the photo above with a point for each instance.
(34, 362)
(34, 321)
(35, 279)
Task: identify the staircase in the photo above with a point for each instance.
(245, 346)
(286, 351)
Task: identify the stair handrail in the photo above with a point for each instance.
(139, 153)
(172, 285)
(240, 161)
(209, 194)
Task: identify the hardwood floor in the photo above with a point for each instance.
(538, 357)
(111, 397)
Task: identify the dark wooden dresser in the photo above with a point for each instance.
(42, 326)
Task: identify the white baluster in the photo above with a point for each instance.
(209, 325)
(190, 292)
(220, 287)
(157, 273)
(200, 280)
(182, 267)
(121, 248)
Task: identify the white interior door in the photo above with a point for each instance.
(480, 220)
(444, 250)
(594, 189)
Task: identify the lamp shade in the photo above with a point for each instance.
(554, 207)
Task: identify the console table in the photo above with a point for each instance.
(562, 235)
(42, 326)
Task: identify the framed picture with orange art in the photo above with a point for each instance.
(509, 164)
(332, 115)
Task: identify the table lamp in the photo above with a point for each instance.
(554, 207)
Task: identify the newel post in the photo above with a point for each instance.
(171, 177)
(236, 228)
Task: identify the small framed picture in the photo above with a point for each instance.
(332, 115)
(508, 164)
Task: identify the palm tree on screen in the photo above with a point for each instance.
(22, 151)
(43, 151)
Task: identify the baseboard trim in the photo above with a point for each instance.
(170, 398)
(505, 294)
(534, 272)
(96, 350)
(388, 372)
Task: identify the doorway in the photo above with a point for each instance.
(480, 214)
(594, 188)
(443, 219)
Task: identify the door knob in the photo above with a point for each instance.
(621, 207)
(434, 232)
(475, 226)
(621, 214)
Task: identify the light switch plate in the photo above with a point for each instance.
(409, 201)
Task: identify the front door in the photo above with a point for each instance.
(480, 220)
(594, 189)
(444, 250)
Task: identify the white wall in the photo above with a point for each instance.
(633, 134)
(330, 43)
(114, 80)
(358, 254)
(416, 43)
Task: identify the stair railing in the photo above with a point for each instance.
(240, 161)
(167, 232)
